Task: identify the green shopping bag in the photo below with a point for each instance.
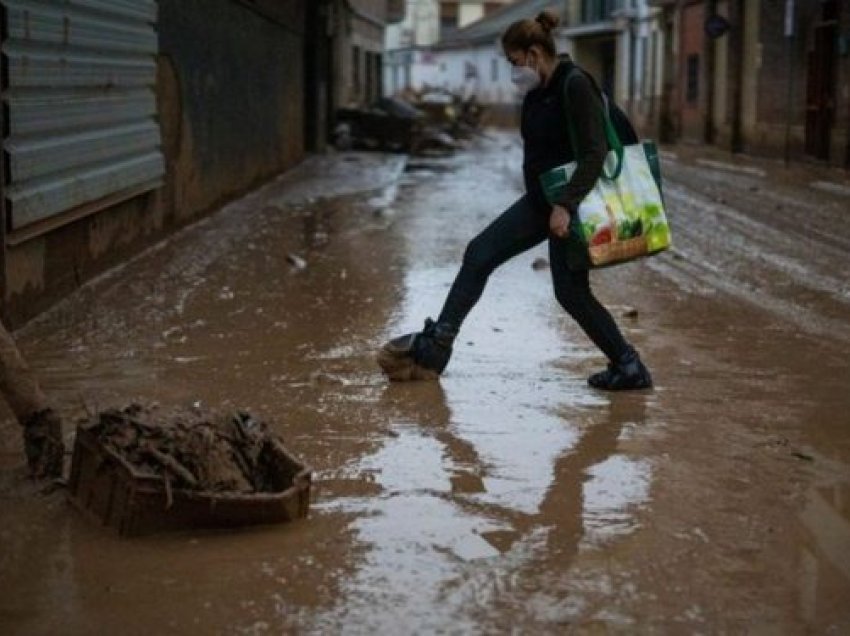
(623, 217)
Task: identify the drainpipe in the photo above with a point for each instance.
(736, 53)
(709, 49)
(667, 127)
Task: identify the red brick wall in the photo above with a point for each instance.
(772, 113)
(692, 43)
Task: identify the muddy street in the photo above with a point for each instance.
(508, 496)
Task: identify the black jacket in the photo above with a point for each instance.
(546, 134)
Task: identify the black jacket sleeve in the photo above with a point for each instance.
(584, 110)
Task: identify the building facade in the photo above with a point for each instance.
(760, 76)
(413, 62)
(769, 77)
(408, 61)
(470, 60)
(621, 43)
(360, 26)
(124, 121)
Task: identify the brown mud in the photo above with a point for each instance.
(193, 450)
(508, 496)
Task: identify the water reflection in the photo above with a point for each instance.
(597, 488)
(505, 469)
(498, 472)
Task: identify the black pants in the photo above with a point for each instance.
(519, 228)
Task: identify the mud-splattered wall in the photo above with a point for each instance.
(231, 97)
(231, 107)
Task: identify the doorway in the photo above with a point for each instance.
(820, 87)
(318, 74)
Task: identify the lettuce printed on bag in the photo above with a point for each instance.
(622, 218)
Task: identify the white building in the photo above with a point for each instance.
(420, 27)
(471, 60)
(406, 59)
(411, 57)
(457, 14)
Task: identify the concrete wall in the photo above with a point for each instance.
(230, 99)
(359, 50)
(773, 73)
(239, 113)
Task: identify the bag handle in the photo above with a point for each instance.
(611, 136)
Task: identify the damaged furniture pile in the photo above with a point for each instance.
(433, 120)
(140, 471)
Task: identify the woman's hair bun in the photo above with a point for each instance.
(548, 19)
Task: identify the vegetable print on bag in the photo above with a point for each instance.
(623, 217)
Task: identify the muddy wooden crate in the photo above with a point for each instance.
(110, 489)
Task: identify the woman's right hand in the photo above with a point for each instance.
(559, 221)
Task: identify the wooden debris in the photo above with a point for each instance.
(190, 450)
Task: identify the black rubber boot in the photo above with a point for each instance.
(43, 444)
(629, 373)
(418, 356)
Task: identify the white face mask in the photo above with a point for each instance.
(524, 78)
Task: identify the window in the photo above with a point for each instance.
(494, 70)
(597, 10)
(448, 16)
(692, 91)
(592, 10)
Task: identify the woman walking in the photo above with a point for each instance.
(551, 108)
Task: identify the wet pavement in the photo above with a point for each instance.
(508, 497)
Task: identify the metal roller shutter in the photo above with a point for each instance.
(80, 108)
